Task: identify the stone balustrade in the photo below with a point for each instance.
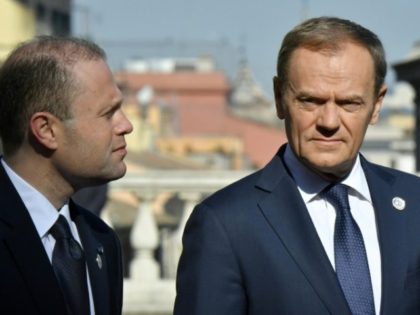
(150, 287)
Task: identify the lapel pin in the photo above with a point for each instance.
(99, 260)
(398, 203)
(99, 254)
(100, 249)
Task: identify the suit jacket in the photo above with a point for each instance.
(252, 248)
(27, 281)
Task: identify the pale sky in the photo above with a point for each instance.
(258, 25)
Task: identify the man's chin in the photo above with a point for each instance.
(108, 176)
(330, 170)
(118, 174)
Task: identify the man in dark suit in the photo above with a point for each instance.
(62, 129)
(319, 230)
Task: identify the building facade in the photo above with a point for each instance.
(21, 20)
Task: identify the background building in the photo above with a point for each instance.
(22, 19)
(201, 119)
(202, 114)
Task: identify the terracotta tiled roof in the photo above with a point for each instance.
(200, 102)
(261, 142)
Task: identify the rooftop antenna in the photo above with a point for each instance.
(242, 47)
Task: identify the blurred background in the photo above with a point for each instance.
(196, 76)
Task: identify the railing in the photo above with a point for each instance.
(150, 287)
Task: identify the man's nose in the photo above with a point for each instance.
(124, 125)
(329, 116)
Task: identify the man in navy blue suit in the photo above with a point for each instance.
(319, 230)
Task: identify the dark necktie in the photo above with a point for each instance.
(68, 261)
(351, 263)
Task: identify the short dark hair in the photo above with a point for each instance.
(37, 77)
(329, 33)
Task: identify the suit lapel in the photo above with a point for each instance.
(96, 262)
(286, 212)
(391, 225)
(26, 247)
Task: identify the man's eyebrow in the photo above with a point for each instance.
(118, 102)
(305, 94)
(114, 106)
(308, 94)
(314, 95)
(350, 98)
(302, 92)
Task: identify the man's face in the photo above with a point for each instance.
(92, 145)
(327, 105)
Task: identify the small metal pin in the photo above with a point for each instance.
(100, 252)
(398, 203)
(99, 260)
(100, 249)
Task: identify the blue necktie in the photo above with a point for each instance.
(351, 263)
(69, 265)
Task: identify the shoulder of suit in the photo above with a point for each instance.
(237, 192)
(391, 172)
(94, 221)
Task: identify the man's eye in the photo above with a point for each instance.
(110, 113)
(310, 101)
(351, 106)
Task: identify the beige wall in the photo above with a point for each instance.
(17, 23)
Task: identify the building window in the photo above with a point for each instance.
(41, 12)
(60, 23)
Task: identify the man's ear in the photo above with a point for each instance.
(278, 97)
(377, 105)
(43, 128)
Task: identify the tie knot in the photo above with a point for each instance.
(337, 195)
(61, 229)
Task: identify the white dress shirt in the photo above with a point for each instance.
(323, 213)
(44, 215)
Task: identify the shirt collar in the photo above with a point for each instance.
(310, 184)
(42, 212)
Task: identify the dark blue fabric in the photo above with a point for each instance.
(351, 263)
(70, 268)
(252, 249)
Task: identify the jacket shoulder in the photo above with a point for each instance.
(94, 222)
(240, 191)
(394, 174)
